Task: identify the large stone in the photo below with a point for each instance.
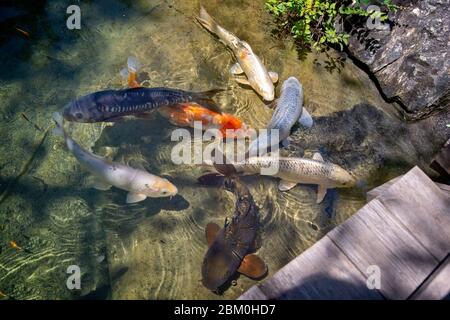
(410, 59)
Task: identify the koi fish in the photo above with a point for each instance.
(300, 170)
(188, 113)
(232, 247)
(248, 63)
(289, 110)
(113, 105)
(139, 183)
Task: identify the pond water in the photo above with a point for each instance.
(154, 249)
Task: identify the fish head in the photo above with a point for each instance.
(265, 89)
(160, 188)
(81, 110)
(289, 83)
(343, 178)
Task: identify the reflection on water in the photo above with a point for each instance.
(154, 249)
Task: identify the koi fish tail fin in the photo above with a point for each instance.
(222, 164)
(133, 64)
(223, 167)
(59, 130)
(129, 73)
(211, 180)
(205, 99)
(207, 21)
(124, 73)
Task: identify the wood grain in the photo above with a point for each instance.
(373, 237)
(423, 208)
(321, 272)
(437, 286)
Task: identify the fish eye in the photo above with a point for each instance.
(79, 115)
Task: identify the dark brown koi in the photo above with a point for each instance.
(231, 247)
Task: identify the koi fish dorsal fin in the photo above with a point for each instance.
(252, 266)
(318, 157)
(211, 231)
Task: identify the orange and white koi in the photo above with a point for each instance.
(187, 113)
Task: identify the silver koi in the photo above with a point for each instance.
(139, 183)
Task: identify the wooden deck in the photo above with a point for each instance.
(404, 230)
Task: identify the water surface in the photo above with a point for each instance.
(154, 249)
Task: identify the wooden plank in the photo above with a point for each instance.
(374, 193)
(423, 208)
(321, 272)
(437, 287)
(373, 237)
(254, 293)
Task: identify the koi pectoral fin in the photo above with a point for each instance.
(96, 183)
(135, 197)
(321, 192)
(253, 266)
(211, 231)
(273, 76)
(243, 81)
(236, 69)
(100, 185)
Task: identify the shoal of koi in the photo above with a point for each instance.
(231, 247)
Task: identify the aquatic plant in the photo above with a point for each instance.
(318, 23)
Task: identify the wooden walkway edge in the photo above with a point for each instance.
(403, 232)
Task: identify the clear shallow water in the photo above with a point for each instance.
(154, 249)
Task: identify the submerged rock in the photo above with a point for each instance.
(409, 59)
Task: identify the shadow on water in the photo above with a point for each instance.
(104, 292)
(50, 48)
(365, 135)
